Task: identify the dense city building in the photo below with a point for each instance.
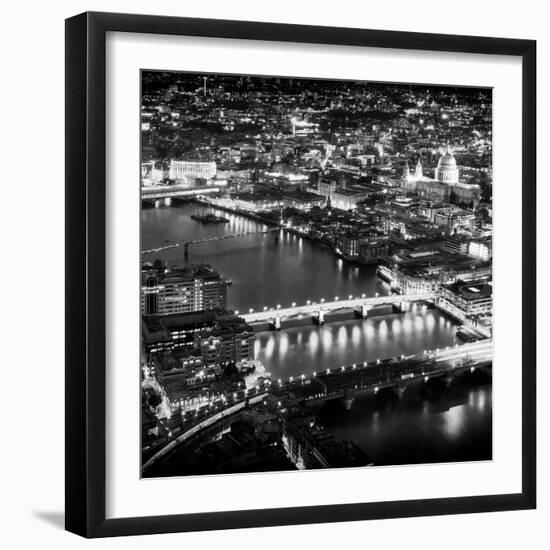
(427, 270)
(230, 341)
(350, 223)
(168, 290)
(445, 187)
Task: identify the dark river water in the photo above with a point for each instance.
(265, 270)
(310, 348)
(438, 425)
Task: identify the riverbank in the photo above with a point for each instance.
(268, 221)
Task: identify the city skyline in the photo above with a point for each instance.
(316, 273)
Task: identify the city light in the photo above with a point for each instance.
(264, 189)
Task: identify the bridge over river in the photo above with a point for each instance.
(188, 243)
(338, 383)
(169, 192)
(318, 310)
(348, 381)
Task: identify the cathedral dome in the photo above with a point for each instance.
(447, 170)
(447, 161)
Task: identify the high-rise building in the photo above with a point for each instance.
(166, 291)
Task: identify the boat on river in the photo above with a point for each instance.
(209, 218)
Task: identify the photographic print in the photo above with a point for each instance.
(316, 274)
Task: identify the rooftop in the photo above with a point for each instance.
(472, 290)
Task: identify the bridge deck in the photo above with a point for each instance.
(208, 240)
(390, 372)
(269, 314)
(174, 191)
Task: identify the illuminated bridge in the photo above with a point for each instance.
(397, 373)
(169, 192)
(343, 383)
(318, 310)
(187, 244)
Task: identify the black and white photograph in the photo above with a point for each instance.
(275, 275)
(316, 274)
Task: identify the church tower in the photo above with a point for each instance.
(406, 171)
(328, 205)
(418, 170)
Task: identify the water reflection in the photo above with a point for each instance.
(326, 340)
(396, 326)
(453, 421)
(283, 345)
(265, 270)
(313, 342)
(281, 268)
(355, 335)
(452, 424)
(352, 341)
(342, 336)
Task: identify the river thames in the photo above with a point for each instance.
(435, 425)
(265, 270)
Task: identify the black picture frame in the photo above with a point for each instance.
(86, 278)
